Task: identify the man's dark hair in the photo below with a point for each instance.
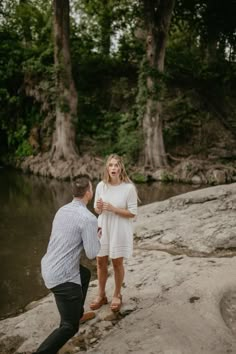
(80, 186)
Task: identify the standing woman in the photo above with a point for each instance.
(116, 203)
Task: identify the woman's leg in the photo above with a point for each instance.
(102, 273)
(119, 274)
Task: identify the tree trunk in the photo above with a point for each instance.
(63, 146)
(157, 21)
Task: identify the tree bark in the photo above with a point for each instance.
(63, 146)
(157, 15)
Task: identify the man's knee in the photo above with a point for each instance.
(70, 328)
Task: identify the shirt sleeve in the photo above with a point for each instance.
(90, 239)
(132, 200)
(97, 194)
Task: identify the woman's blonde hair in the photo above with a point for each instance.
(123, 174)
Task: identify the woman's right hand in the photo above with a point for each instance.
(99, 204)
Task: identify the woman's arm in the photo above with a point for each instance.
(99, 206)
(125, 213)
(98, 211)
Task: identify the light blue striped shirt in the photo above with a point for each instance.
(74, 228)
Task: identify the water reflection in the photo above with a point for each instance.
(28, 204)
(157, 191)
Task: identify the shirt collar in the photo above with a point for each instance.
(79, 202)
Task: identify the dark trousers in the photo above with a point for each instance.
(70, 298)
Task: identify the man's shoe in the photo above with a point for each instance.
(87, 316)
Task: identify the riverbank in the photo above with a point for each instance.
(179, 290)
(186, 170)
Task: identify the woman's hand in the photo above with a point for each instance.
(99, 205)
(108, 207)
(125, 213)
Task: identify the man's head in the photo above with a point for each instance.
(82, 188)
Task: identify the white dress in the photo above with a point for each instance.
(117, 231)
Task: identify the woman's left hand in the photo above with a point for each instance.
(108, 207)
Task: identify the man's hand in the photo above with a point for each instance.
(99, 232)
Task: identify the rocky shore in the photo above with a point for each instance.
(185, 170)
(179, 295)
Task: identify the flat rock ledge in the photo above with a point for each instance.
(179, 295)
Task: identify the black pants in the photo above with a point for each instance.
(70, 298)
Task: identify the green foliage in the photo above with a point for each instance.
(106, 96)
(101, 22)
(15, 136)
(26, 54)
(106, 56)
(118, 135)
(167, 177)
(129, 49)
(213, 21)
(19, 139)
(24, 149)
(128, 138)
(180, 128)
(139, 178)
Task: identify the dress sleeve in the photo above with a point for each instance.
(132, 200)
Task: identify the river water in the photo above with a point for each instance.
(27, 207)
